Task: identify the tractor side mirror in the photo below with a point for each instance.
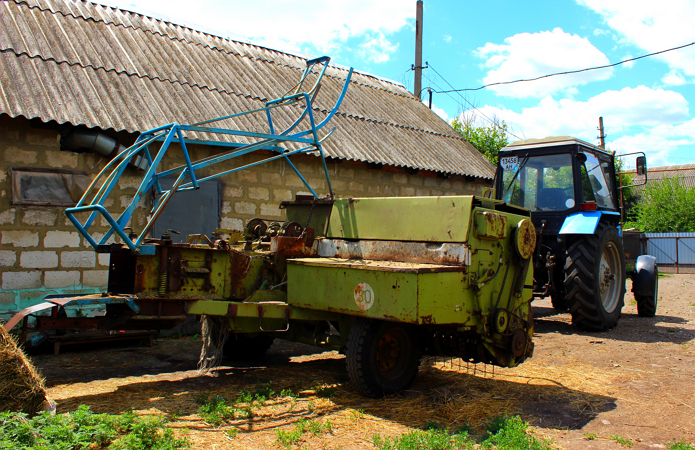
(641, 165)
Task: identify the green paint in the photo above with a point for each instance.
(419, 219)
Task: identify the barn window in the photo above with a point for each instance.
(47, 187)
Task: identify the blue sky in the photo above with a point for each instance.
(645, 104)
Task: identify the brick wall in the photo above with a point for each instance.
(41, 253)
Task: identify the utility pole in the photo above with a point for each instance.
(418, 50)
(601, 135)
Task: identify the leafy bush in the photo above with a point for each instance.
(666, 206)
(82, 429)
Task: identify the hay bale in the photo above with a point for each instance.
(21, 386)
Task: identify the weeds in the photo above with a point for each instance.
(511, 433)
(82, 429)
(625, 442)
(288, 393)
(590, 436)
(504, 433)
(423, 440)
(680, 445)
(325, 391)
(357, 414)
(288, 438)
(216, 410)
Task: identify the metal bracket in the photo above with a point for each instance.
(260, 320)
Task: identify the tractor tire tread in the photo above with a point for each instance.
(582, 299)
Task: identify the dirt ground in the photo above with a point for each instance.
(583, 390)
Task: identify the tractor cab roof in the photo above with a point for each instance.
(551, 141)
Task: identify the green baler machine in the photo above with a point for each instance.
(384, 280)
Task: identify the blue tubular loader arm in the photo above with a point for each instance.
(94, 199)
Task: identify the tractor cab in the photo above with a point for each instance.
(556, 178)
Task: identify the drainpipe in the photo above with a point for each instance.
(98, 142)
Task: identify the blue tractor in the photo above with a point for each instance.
(570, 188)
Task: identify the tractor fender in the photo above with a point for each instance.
(584, 222)
(645, 276)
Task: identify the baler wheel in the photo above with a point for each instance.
(595, 278)
(382, 357)
(244, 347)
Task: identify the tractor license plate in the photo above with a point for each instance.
(509, 163)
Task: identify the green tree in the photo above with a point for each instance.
(666, 206)
(488, 140)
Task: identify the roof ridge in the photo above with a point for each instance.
(215, 48)
(215, 89)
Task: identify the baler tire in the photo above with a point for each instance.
(369, 344)
(242, 347)
(588, 258)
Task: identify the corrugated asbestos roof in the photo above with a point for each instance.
(83, 63)
(684, 172)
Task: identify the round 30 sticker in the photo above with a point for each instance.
(364, 296)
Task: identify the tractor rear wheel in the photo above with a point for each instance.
(382, 357)
(595, 278)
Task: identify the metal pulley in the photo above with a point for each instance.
(524, 238)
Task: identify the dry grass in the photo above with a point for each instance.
(21, 386)
(447, 392)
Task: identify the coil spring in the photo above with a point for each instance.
(163, 277)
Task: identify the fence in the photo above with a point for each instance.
(674, 252)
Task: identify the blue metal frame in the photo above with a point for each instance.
(98, 191)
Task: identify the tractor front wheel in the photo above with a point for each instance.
(595, 278)
(382, 357)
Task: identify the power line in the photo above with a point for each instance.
(469, 103)
(565, 73)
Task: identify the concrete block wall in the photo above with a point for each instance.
(41, 253)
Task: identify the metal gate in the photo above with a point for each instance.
(674, 252)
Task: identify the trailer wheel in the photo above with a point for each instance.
(244, 347)
(382, 357)
(595, 278)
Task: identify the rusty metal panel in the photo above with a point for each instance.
(489, 225)
(83, 63)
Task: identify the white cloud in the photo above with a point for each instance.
(674, 78)
(653, 26)
(447, 38)
(314, 27)
(629, 115)
(527, 55)
(439, 111)
(377, 49)
(658, 142)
